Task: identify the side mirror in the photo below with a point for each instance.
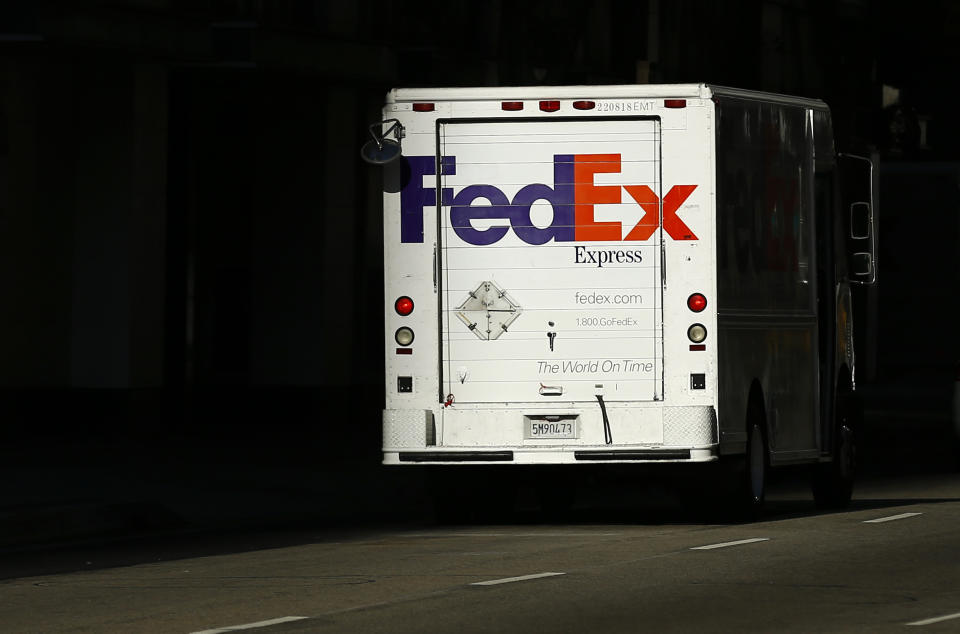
(857, 198)
(380, 150)
(381, 153)
(861, 220)
(862, 264)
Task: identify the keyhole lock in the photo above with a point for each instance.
(551, 335)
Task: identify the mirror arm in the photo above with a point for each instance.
(396, 129)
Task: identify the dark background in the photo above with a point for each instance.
(191, 249)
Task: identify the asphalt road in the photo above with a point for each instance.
(611, 567)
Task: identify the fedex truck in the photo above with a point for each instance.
(621, 275)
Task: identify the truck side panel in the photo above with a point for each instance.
(766, 280)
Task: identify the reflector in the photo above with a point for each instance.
(423, 107)
(697, 333)
(549, 106)
(511, 105)
(404, 336)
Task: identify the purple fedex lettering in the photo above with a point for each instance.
(414, 196)
(560, 196)
(463, 211)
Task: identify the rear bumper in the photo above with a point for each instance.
(640, 433)
(579, 455)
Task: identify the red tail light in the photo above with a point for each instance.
(403, 306)
(584, 105)
(696, 302)
(675, 103)
(511, 106)
(549, 106)
(423, 107)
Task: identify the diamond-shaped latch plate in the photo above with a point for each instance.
(488, 311)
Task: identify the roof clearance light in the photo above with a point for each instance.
(403, 336)
(674, 103)
(584, 105)
(511, 106)
(696, 333)
(423, 107)
(403, 306)
(696, 302)
(549, 106)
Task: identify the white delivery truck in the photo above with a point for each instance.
(621, 274)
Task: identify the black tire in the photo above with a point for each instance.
(757, 468)
(749, 500)
(744, 478)
(833, 481)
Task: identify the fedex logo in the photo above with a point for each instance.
(572, 196)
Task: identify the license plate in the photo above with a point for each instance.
(551, 430)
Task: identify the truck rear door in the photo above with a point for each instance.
(549, 259)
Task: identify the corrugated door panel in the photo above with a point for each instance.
(550, 255)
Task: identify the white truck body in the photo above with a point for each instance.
(557, 264)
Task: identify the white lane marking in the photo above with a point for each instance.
(422, 535)
(495, 582)
(536, 534)
(936, 619)
(891, 518)
(739, 542)
(250, 626)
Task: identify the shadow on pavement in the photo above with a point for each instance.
(279, 462)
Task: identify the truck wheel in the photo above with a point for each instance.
(756, 469)
(833, 481)
(745, 478)
(750, 482)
